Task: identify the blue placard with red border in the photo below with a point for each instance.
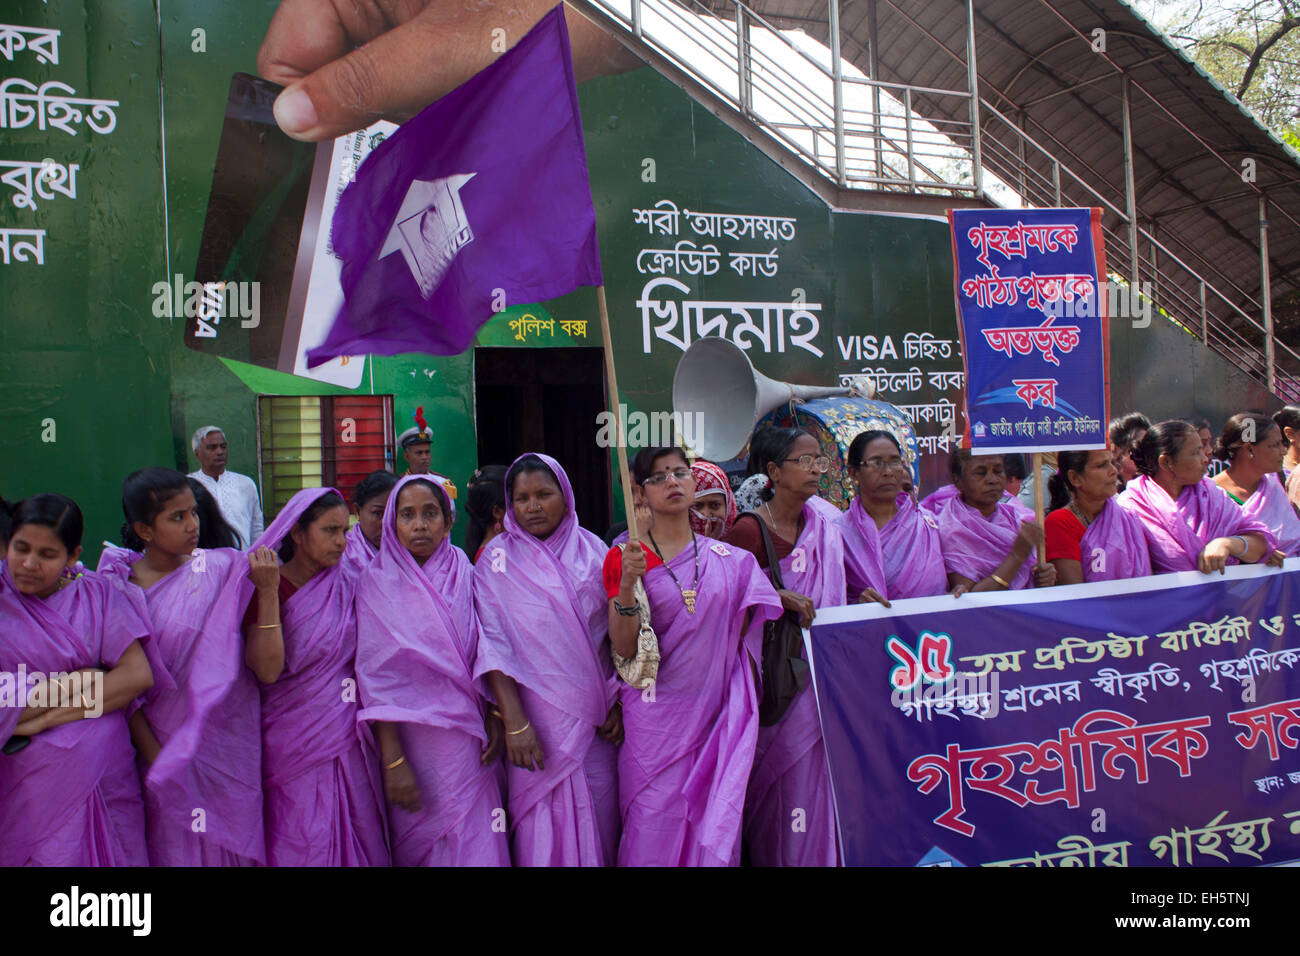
(1035, 338)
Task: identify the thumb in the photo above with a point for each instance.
(392, 76)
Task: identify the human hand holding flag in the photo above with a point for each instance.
(480, 202)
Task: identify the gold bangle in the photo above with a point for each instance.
(1005, 584)
(493, 712)
(516, 733)
(396, 763)
(268, 626)
(84, 705)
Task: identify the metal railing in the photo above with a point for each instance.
(864, 133)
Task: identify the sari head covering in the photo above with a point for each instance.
(974, 546)
(543, 619)
(359, 552)
(209, 723)
(747, 495)
(935, 501)
(1271, 506)
(1114, 546)
(1178, 531)
(72, 796)
(416, 645)
(712, 480)
(320, 774)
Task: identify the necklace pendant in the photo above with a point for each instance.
(688, 596)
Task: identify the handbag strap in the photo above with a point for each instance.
(773, 565)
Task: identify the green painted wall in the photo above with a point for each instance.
(84, 365)
(82, 348)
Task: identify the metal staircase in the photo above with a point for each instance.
(844, 129)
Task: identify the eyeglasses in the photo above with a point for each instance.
(657, 479)
(880, 464)
(820, 464)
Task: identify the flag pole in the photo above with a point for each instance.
(620, 446)
(1038, 499)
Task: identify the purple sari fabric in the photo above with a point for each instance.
(934, 502)
(685, 762)
(358, 554)
(72, 796)
(543, 620)
(320, 770)
(974, 546)
(1271, 506)
(912, 551)
(415, 659)
(790, 759)
(1177, 532)
(864, 564)
(209, 723)
(1114, 546)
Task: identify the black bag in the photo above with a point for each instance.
(785, 672)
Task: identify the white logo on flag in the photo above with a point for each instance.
(430, 229)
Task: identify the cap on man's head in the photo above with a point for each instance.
(413, 436)
(197, 441)
(420, 433)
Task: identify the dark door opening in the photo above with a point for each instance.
(546, 400)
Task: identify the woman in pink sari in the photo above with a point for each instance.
(69, 792)
(684, 765)
(199, 743)
(415, 661)
(1190, 522)
(1089, 536)
(1253, 478)
(988, 543)
(790, 758)
(323, 801)
(884, 520)
(543, 620)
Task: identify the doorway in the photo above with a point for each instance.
(546, 400)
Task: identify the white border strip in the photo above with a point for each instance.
(1065, 592)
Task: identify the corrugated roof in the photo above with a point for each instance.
(1037, 65)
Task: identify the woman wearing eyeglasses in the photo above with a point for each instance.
(688, 743)
(885, 520)
(790, 761)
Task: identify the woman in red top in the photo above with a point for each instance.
(1089, 536)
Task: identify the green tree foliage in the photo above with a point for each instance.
(1251, 47)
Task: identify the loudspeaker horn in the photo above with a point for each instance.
(719, 396)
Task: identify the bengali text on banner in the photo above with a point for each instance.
(1149, 722)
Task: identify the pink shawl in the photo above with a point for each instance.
(1177, 532)
(974, 546)
(1271, 506)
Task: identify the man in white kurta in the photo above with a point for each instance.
(236, 494)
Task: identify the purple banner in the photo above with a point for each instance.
(1152, 722)
(1034, 337)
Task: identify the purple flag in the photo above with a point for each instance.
(481, 198)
